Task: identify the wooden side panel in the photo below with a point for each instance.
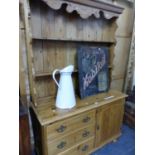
(117, 84)
(121, 56)
(30, 54)
(120, 62)
(37, 132)
(125, 24)
(23, 66)
(24, 135)
(125, 20)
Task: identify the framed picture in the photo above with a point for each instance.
(93, 70)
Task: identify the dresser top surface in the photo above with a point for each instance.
(47, 114)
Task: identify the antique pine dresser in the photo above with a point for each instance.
(54, 29)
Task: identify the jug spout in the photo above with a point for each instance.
(68, 69)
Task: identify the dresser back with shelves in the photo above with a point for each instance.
(52, 40)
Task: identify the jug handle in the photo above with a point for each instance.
(54, 72)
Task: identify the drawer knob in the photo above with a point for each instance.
(86, 133)
(85, 148)
(61, 145)
(86, 119)
(61, 129)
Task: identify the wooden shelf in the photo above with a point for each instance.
(38, 75)
(73, 40)
(44, 74)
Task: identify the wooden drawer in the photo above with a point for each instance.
(60, 145)
(85, 133)
(81, 149)
(63, 143)
(71, 124)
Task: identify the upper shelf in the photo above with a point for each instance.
(112, 41)
(86, 8)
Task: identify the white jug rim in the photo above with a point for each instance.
(67, 69)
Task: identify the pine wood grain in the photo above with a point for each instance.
(70, 124)
(109, 120)
(80, 148)
(50, 24)
(47, 112)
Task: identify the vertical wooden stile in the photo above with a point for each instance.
(27, 17)
(23, 70)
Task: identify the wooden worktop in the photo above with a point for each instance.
(47, 114)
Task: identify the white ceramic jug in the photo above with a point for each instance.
(65, 96)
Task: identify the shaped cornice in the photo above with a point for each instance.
(87, 8)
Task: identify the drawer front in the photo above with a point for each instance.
(81, 149)
(60, 145)
(85, 133)
(71, 124)
(63, 143)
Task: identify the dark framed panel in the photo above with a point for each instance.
(93, 70)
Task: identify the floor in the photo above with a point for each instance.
(125, 145)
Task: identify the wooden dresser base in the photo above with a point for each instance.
(79, 131)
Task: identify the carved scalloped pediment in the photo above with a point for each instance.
(87, 8)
